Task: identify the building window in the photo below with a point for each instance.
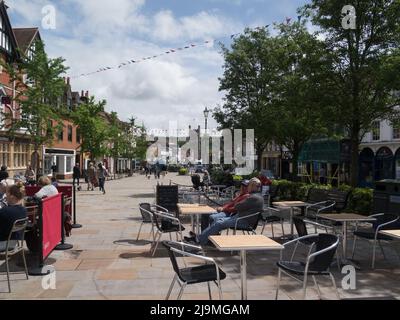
(376, 131)
(61, 134)
(78, 135)
(20, 155)
(5, 39)
(70, 133)
(68, 167)
(4, 154)
(396, 132)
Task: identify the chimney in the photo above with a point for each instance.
(82, 94)
(68, 80)
(87, 94)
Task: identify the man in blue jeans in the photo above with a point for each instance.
(254, 203)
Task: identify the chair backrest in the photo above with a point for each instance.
(168, 245)
(196, 181)
(301, 226)
(273, 191)
(254, 220)
(323, 261)
(340, 198)
(317, 195)
(146, 212)
(17, 231)
(385, 218)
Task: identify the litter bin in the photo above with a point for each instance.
(387, 197)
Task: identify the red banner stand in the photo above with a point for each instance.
(50, 233)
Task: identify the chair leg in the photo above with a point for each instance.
(272, 229)
(263, 228)
(25, 265)
(383, 252)
(171, 287)
(283, 229)
(156, 246)
(170, 236)
(152, 234)
(181, 291)
(334, 285)
(140, 229)
(209, 290)
(219, 289)
(278, 283)
(354, 247)
(373, 255)
(318, 288)
(305, 287)
(8, 274)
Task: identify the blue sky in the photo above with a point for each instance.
(91, 34)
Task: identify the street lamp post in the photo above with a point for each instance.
(206, 114)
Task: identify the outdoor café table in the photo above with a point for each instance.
(291, 205)
(195, 210)
(345, 218)
(391, 233)
(244, 243)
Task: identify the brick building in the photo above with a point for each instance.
(15, 153)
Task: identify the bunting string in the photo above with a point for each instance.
(165, 53)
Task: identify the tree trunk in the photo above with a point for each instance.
(355, 144)
(260, 151)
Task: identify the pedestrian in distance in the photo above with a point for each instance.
(76, 175)
(102, 174)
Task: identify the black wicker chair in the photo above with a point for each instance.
(207, 272)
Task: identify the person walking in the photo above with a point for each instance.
(102, 174)
(92, 180)
(54, 170)
(76, 175)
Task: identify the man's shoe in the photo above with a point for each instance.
(192, 234)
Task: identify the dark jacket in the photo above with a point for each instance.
(253, 204)
(76, 172)
(8, 215)
(3, 175)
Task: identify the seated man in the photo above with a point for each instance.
(252, 204)
(12, 212)
(47, 189)
(227, 210)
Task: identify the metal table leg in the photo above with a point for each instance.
(198, 223)
(243, 268)
(345, 260)
(291, 222)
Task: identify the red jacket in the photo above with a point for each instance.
(265, 181)
(229, 208)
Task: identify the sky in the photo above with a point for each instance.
(91, 34)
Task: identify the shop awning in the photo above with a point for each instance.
(325, 151)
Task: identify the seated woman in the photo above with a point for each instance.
(47, 189)
(12, 212)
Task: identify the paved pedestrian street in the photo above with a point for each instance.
(107, 262)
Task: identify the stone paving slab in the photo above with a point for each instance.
(107, 262)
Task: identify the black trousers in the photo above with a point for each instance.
(75, 179)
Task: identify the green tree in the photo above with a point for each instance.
(39, 87)
(297, 104)
(93, 127)
(248, 73)
(360, 82)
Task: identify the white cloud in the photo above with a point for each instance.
(104, 33)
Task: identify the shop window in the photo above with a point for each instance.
(68, 164)
(70, 133)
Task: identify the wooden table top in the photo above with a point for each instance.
(344, 217)
(245, 242)
(290, 204)
(193, 209)
(392, 233)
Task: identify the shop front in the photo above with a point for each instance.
(63, 159)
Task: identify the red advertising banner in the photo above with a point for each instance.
(51, 217)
